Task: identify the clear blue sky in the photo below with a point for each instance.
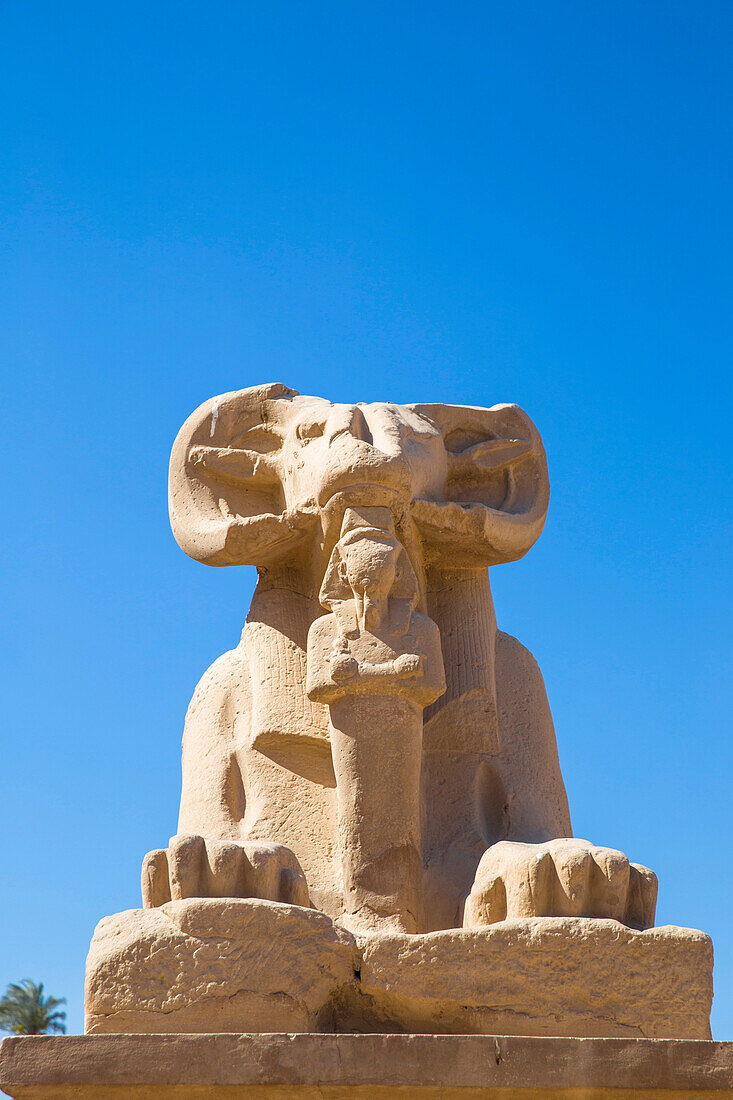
(471, 202)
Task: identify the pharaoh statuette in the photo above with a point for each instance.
(375, 759)
(377, 663)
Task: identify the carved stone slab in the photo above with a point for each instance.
(235, 965)
(362, 1067)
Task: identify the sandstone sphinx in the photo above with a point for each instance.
(374, 832)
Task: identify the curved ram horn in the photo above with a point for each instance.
(226, 500)
(497, 488)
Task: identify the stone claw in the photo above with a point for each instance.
(191, 867)
(560, 878)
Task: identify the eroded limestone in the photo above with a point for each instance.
(209, 965)
(215, 965)
(375, 752)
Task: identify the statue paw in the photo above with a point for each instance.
(560, 878)
(408, 664)
(191, 867)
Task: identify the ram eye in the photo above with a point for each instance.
(309, 429)
(462, 438)
(260, 438)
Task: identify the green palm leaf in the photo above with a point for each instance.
(25, 1011)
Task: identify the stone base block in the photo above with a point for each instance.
(215, 965)
(362, 1067)
(208, 965)
(544, 976)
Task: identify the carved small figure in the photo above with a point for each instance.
(377, 663)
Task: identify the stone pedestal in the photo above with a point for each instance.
(362, 1067)
(208, 965)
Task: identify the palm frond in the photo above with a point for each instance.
(24, 1010)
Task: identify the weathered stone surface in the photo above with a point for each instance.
(362, 1067)
(376, 749)
(206, 965)
(543, 976)
(214, 965)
